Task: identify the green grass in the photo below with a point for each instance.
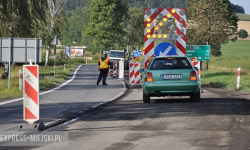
(47, 79)
(243, 17)
(223, 70)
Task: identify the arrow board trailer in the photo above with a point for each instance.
(154, 20)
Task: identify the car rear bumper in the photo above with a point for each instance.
(172, 89)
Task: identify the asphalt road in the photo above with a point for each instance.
(220, 121)
(80, 94)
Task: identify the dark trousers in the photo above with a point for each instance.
(103, 75)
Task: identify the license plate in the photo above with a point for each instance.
(171, 76)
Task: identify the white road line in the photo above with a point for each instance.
(56, 88)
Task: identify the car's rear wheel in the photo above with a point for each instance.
(146, 98)
(195, 97)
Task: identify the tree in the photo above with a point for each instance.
(243, 33)
(237, 8)
(105, 28)
(56, 21)
(211, 22)
(75, 27)
(157, 3)
(134, 28)
(18, 18)
(72, 5)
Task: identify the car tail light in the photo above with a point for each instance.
(149, 77)
(193, 76)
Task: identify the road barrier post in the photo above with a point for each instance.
(197, 64)
(121, 69)
(137, 74)
(31, 93)
(238, 79)
(131, 73)
(20, 80)
(114, 69)
(134, 74)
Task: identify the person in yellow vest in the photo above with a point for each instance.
(103, 66)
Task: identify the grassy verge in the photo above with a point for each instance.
(47, 79)
(222, 71)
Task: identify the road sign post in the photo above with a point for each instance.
(200, 52)
(55, 42)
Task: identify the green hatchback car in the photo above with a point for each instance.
(170, 76)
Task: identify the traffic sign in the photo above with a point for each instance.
(55, 41)
(137, 54)
(201, 52)
(164, 49)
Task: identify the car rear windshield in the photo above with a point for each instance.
(116, 54)
(170, 63)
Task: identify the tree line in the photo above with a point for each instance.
(74, 4)
(109, 24)
(30, 19)
(211, 22)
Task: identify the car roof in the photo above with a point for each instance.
(157, 57)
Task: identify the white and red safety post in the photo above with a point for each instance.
(134, 74)
(121, 69)
(31, 93)
(20, 80)
(114, 69)
(198, 65)
(238, 79)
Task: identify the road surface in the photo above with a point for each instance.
(220, 121)
(80, 94)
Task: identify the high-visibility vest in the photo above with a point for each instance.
(104, 64)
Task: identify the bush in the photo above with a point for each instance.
(243, 33)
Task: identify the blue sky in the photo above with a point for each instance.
(244, 3)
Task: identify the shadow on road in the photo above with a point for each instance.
(136, 109)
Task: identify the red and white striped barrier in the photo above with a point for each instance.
(131, 73)
(179, 14)
(31, 93)
(134, 74)
(114, 69)
(238, 79)
(198, 65)
(137, 74)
